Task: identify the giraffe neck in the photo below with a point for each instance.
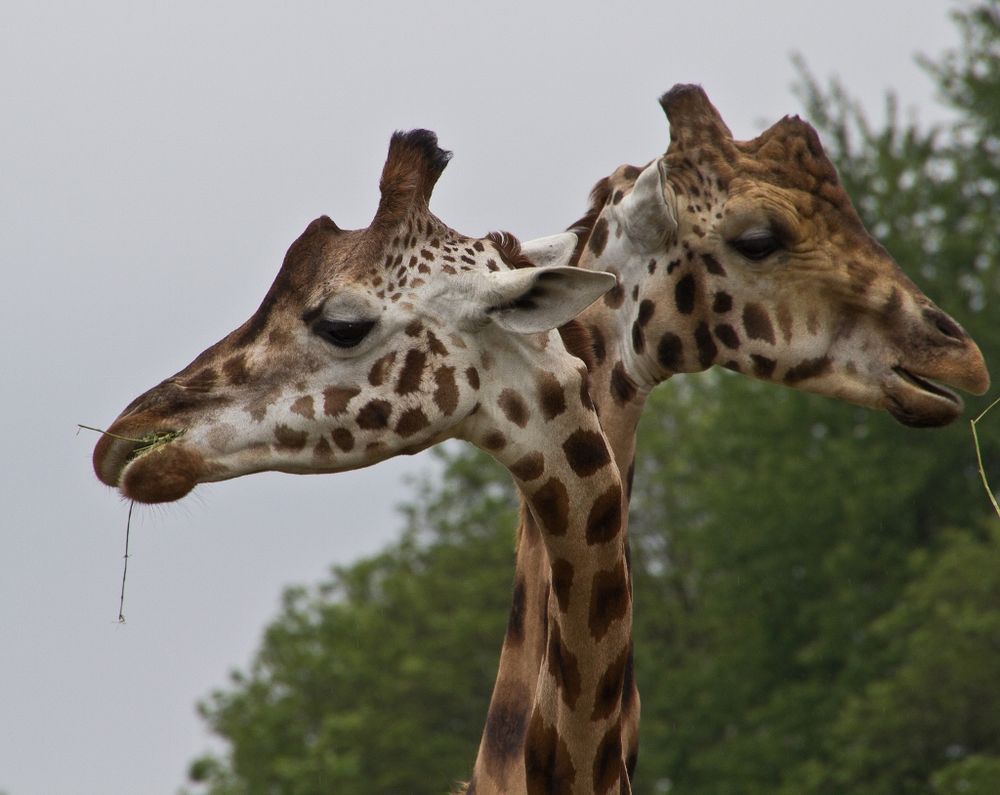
(556, 714)
(531, 643)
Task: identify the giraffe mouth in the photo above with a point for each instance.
(150, 442)
(920, 403)
(927, 386)
(119, 451)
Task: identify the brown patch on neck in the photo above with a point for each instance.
(583, 227)
(579, 341)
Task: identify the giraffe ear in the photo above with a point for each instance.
(551, 251)
(647, 212)
(529, 300)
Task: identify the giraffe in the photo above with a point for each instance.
(384, 341)
(747, 255)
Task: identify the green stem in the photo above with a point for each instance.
(979, 456)
(116, 436)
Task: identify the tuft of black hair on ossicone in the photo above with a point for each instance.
(426, 142)
(412, 167)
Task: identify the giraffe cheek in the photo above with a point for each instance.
(163, 475)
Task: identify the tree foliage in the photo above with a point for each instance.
(817, 588)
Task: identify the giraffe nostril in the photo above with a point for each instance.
(945, 324)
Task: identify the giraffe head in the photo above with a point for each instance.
(369, 344)
(749, 254)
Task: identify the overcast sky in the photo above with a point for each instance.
(154, 167)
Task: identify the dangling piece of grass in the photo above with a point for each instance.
(121, 600)
(979, 456)
(146, 444)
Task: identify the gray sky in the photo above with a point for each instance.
(154, 167)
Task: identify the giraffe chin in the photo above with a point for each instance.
(163, 475)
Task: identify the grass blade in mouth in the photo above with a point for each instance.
(153, 441)
(144, 444)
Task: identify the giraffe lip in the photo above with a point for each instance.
(926, 386)
(914, 401)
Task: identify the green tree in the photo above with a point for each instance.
(817, 587)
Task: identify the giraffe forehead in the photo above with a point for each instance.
(790, 154)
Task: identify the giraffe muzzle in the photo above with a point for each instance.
(147, 466)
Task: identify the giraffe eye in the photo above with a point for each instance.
(343, 333)
(757, 244)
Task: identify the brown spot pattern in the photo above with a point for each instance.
(548, 767)
(506, 724)
(344, 439)
(727, 336)
(712, 265)
(586, 452)
(605, 518)
(563, 666)
(514, 407)
(785, 322)
(608, 762)
(763, 366)
(304, 407)
(322, 448)
(722, 302)
(684, 292)
(436, 346)
(622, 388)
(551, 398)
(529, 466)
(551, 505)
(374, 415)
(379, 370)
(515, 622)
(494, 440)
(598, 237)
(810, 368)
(235, 370)
(757, 323)
(609, 600)
(413, 370)
(446, 391)
(707, 349)
(289, 439)
(335, 399)
(670, 352)
(610, 688)
(411, 421)
(562, 582)
(614, 297)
